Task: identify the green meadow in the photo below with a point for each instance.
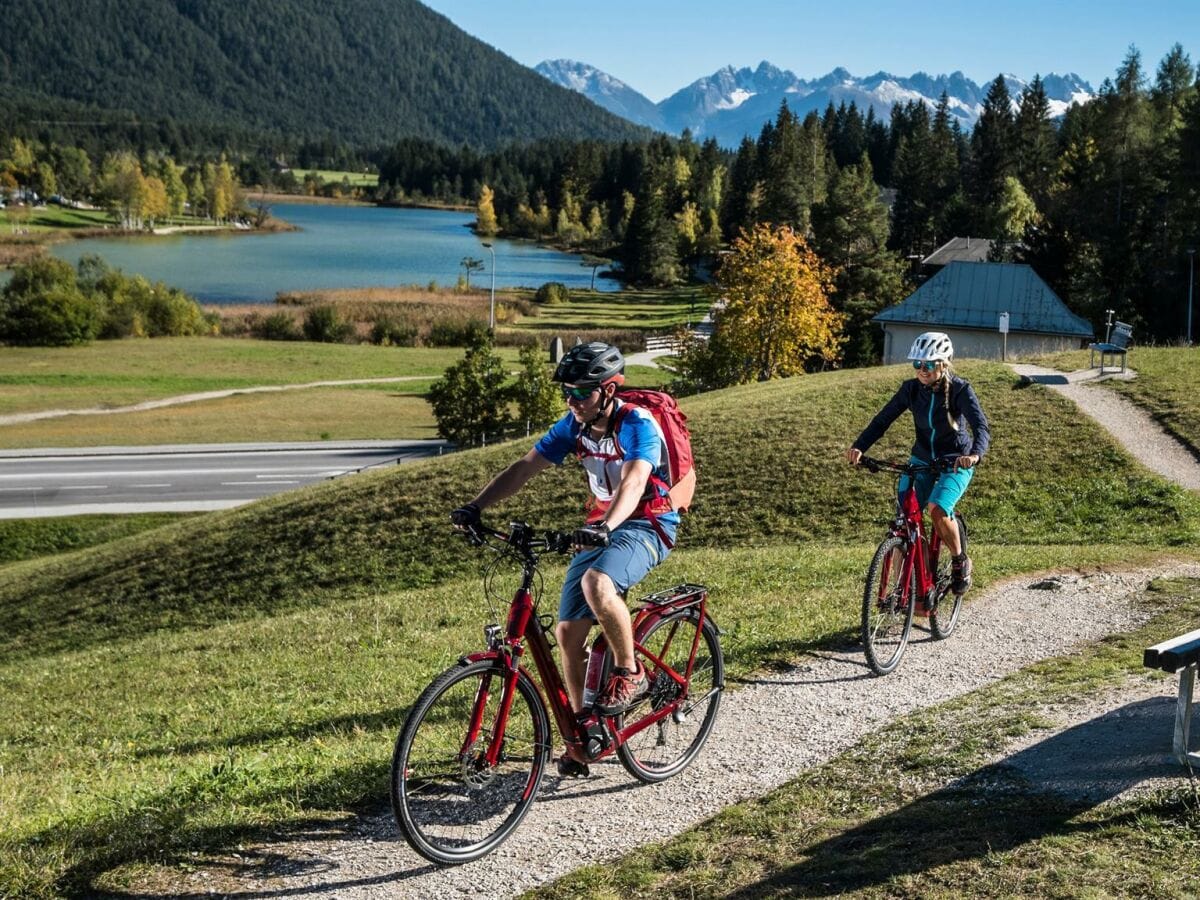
(248, 669)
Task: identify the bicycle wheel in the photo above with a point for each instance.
(944, 617)
(452, 805)
(887, 611)
(667, 747)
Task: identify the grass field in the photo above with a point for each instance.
(640, 310)
(1168, 385)
(249, 668)
(22, 539)
(118, 373)
(53, 218)
(361, 412)
(115, 374)
(919, 810)
(332, 176)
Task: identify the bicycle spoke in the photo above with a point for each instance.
(887, 610)
(450, 802)
(665, 748)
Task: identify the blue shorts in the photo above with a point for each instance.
(636, 548)
(943, 488)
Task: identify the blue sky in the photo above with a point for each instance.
(659, 46)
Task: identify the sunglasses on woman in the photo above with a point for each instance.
(577, 393)
(928, 365)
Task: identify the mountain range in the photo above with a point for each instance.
(270, 72)
(732, 103)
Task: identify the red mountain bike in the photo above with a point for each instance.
(907, 577)
(471, 755)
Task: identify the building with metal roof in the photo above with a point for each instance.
(959, 249)
(966, 300)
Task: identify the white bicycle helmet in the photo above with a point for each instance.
(932, 346)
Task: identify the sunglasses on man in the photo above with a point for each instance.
(928, 365)
(577, 393)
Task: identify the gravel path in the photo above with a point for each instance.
(774, 727)
(768, 731)
(19, 418)
(1132, 426)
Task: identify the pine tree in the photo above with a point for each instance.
(1036, 143)
(850, 232)
(650, 252)
(913, 177)
(742, 199)
(993, 155)
(785, 199)
(946, 152)
(1174, 86)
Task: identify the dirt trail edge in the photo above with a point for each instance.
(769, 730)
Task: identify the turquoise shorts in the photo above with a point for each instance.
(943, 488)
(636, 548)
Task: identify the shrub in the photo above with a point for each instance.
(61, 317)
(323, 325)
(457, 334)
(469, 400)
(552, 293)
(43, 306)
(278, 326)
(135, 308)
(391, 332)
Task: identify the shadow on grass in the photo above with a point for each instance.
(161, 828)
(1036, 793)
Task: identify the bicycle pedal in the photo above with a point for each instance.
(571, 768)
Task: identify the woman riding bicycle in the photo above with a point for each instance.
(942, 404)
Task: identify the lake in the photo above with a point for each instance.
(337, 247)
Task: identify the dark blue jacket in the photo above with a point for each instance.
(935, 438)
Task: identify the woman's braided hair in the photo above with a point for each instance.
(947, 378)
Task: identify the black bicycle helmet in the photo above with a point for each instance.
(593, 365)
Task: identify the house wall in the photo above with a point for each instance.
(969, 344)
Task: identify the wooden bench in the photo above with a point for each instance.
(1180, 654)
(1116, 345)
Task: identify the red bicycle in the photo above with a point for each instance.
(471, 755)
(907, 576)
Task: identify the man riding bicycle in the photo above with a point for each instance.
(942, 404)
(630, 529)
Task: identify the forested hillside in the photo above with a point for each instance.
(221, 72)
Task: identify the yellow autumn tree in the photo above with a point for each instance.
(485, 213)
(777, 320)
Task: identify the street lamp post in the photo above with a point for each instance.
(492, 306)
(1191, 263)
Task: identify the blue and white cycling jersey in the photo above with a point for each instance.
(639, 437)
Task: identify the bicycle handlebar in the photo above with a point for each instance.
(521, 537)
(877, 465)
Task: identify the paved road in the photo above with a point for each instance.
(55, 482)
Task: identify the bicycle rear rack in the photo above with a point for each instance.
(676, 596)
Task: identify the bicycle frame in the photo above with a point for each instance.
(524, 630)
(920, 554)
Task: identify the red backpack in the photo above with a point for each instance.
(681, 466)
